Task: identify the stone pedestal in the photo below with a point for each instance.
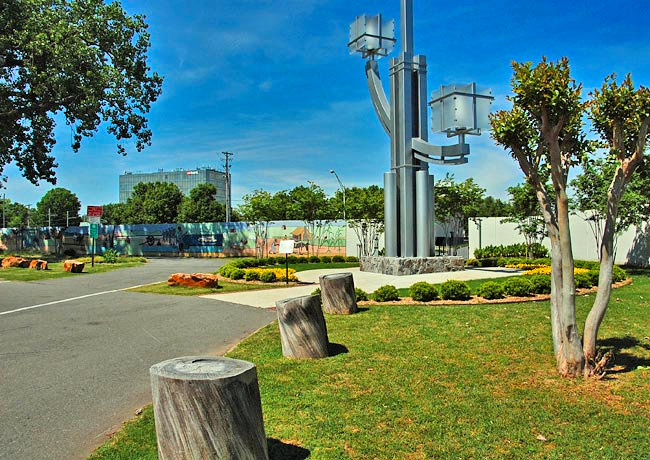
(411, 265)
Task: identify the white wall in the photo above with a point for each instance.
(633, 246)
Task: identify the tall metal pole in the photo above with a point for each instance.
(407, 26)
(227, 156)
(4, 202)
(49, 217)
(342, 190)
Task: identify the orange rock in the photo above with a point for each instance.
(73, 266)
(202, 280)
(14, 262)
(38, 264)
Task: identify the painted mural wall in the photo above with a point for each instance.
(213, 239)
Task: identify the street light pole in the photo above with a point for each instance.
(342, 189)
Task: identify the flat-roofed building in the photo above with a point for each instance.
(184, 179)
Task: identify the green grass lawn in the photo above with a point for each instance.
(448, 382)
(224, 287)
(55, 270)
(318, 266)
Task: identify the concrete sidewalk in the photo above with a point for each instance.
(367, 281)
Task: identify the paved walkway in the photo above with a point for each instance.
(364, 280)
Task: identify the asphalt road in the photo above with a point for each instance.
(72, 371)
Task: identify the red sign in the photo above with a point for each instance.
(94, 211)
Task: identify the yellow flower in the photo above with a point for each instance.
(280, 273)
(546, 270)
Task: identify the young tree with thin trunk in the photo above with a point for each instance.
(621, 116)
(543, 132)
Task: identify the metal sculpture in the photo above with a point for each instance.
(408, 187)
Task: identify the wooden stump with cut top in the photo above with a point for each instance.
(303, 331)
(208, 408)
(337, 294)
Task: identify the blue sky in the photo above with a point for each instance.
(273, 82)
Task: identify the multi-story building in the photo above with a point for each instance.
(185, 179)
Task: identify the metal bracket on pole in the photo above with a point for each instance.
(440, 154)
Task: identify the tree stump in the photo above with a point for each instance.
(303, 331)
(337, 294)
(207, 408)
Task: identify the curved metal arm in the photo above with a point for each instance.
(377, 94)
(440, 154)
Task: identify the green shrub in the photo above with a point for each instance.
(360, 294)
(326, 259)
(351, 259)
(314, 259)
(262, 261)
(593, 275)
(588, 264)
(583, 281)
(251, 276)
(338, 259)
(471, 263)
(280, 260)
(541, 284)
(488, 262)
(512, 250)
(272, 260)
(268, 277)
(423, 292)
(224, 270)
(491, 290)
(236, 273)
(315, 291)
(455, 290)
(518, 287)
(618, 274)
(386, 294)
(111, 256)
(293, 260)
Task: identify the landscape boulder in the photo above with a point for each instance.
(200, 280)
(73, 266)
(38, 264)
(12, 261)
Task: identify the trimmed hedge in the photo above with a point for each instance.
(491, 290)
(518, 287)
(541, 284)
(423, 292)
(338, 259)
(351, 259)
(326, 259)
(360, 294)
(268, 277)
(455, 290)
(385, 294)
(511, 250)
(314, 259)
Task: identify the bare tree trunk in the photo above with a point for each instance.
(599, 307)
(208, 408)
(303, 331)
(572, 360)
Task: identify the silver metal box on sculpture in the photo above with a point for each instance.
(457, 110)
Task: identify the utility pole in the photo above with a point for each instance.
(67, 218)
(4, 203)
(49, 217)
(226, 156)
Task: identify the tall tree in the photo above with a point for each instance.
(258, 210)
(15, 214)
(365, 214)
(153, 203)
(310, 204)
(456, 202)
(525, 214)
(114, 213)
(493, 207)
(590, 198)
(621, 116)
(59, 207)
(202, 206)
(543, 132)
(82, 60)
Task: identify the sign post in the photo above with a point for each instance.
(94, 214)
(286, 248)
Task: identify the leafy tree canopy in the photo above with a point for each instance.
(15, 214)
(153, 203)
(202, 206)
(58, 207)
(114, 213)
(83, 59)
(455, 202)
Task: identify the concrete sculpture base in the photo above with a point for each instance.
(411, 265)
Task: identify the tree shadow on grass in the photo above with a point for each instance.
(279, 450)
(337, 349)
(362, 309)
(624, 361)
